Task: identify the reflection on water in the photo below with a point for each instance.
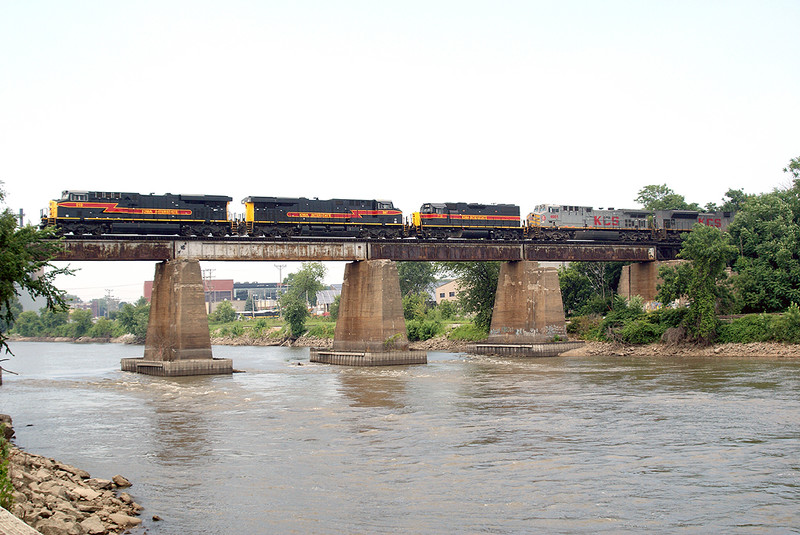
(464, 444)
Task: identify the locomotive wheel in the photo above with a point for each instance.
(186, 231)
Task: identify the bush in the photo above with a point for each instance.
(641, 331)
(586, 327)
(223, 313)
(447, 309)
(6, 487)
(750, 328)
(103, 328)
(667, 317)
(621, 313)
(468, 333)
(422, 329)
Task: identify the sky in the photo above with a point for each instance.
(525, 102)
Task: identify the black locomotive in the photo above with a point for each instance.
(285, 216)
(103, 212)
(467, 220)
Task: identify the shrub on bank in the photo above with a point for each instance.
(418, 330)
(467, 332)
(763, 328)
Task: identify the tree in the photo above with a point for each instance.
(477, 283)
(708, 251)
(768, 236)
(25, 254)
(28, 324)
(224, 313)
(661, 197)
(303, 288)
(80, 322)
(295, 312)
(587, 287)
(307, 282)
(16, 310)
(793, 168)
(415, 277)
(134, 318)
(248, 304)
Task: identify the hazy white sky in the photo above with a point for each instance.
(525, 102)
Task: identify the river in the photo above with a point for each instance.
(465, 444)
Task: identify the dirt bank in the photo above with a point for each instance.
(773, 350)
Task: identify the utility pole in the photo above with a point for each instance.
(21, 217)
(207, 275)
(280, 281)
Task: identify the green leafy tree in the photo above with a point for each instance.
(587, 287)
(223, 313)
(134, 318)
(80, 322)
(661, 197)
(103, 328)
(414, 306)
(793, 168)
(734, 200)
(53, 321)
(16, 310)
(708, 250)
(307, 282)
(248, 304)
(29, 324)
(295, 312)
(334, 308)
(303, 288)
(477, 288)
(415, 277)
(767, 233)
(25, 254)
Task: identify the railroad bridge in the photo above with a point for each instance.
(371, 328)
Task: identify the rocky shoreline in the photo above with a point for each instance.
(58, 499)
(441, 343)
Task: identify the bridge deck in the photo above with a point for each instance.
(160, 248)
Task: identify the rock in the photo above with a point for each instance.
(59, 499)
(86, 494)
(156, 518)
(8, 428)
(59, 524)
(124, 521)
(120, 481)
(93, 526)
(83, 474)
(100, 484)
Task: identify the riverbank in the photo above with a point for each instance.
(760, 349)
(440, 343)
(58, 499)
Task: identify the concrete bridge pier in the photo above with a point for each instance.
(371, 329)
(528, 316)
(642, 279)
(178, 341)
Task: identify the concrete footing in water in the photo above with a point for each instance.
(366, 358)
(178, 368)
(550, 349)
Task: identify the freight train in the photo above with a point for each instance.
(101, 213)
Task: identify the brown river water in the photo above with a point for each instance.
(465, 444)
